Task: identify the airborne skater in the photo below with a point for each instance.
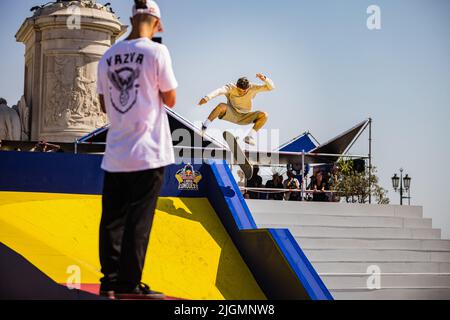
(238, 108)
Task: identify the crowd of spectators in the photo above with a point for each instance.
(318, 189)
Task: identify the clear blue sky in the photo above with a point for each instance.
(330, 70)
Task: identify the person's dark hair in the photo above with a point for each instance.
(243, 83)
(140, 4)
(141, 18)
(3, 101)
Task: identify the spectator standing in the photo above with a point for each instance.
(319, 186)
(292, 183)
(255, 182)
(275, 183)
(135, 80)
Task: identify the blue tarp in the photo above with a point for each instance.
(300, 144)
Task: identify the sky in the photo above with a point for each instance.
(330, 71)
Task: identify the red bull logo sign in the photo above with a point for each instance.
(188, 178)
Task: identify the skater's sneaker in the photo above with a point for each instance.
(203, 130)
(141, 292)
(250, 141)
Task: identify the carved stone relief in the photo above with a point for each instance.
(70, 100)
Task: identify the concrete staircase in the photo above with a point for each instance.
(346, 243)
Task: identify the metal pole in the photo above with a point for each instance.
(304, 176)
(370, 160)
(401, 187)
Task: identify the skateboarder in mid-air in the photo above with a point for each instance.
(239, 107)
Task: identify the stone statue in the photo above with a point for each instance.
(24, 114)
(90, 4)
(10, 128)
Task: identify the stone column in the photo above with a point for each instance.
(63, 43)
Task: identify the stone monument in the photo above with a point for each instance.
(64, 40)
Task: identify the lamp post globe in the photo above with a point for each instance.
(395, 182)
(407, 182)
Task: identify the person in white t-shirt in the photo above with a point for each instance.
(135, 81)
(238, 108)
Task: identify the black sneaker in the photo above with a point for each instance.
(108, 294)
(141, 292)
(107, 291)
(203, 130)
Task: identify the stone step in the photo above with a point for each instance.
(399, 244)
(375, 256)
(393, 294)
(399, 280)
(384, 267)
(282, 220)
(344, 209)
(345, 241)
(362, 233)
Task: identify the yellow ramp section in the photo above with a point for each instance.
(190, 254)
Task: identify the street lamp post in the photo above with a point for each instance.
(403, 185)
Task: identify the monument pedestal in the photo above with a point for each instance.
(64, 42)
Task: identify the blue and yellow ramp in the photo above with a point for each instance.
(204, 243)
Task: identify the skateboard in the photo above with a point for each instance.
(239, 156)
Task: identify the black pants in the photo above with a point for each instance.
(129, 203)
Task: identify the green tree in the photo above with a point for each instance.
(353, 186)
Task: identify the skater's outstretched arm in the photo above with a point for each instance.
(267, 86)
(219, 92)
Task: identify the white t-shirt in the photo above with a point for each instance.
(131, 75)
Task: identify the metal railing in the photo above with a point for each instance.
(292, 155)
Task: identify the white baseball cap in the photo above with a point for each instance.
(152, 10)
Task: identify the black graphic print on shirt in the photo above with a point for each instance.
(124, 90)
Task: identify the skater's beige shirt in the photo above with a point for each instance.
(242, 103)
